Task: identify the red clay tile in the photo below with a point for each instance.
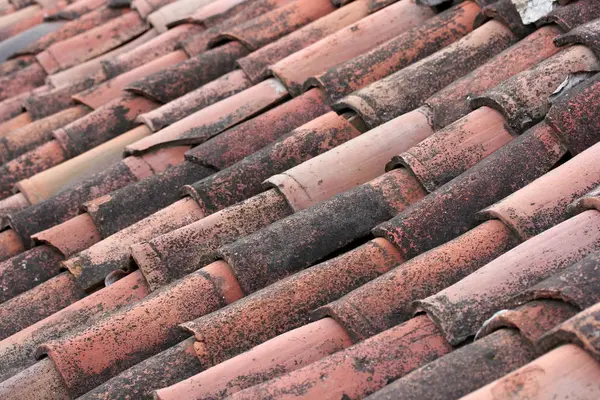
(404, 90)
(233, 145)
(146, 7)
(233, 11)
(13, 107)
(269, 27)
(15, 123)
(184, 77)
(28, 269)
(573, 116)
(70, 237)
(256, 64)
(157, 47)
(587, 202)
(286, 304)
(31, 21)
(287, 352)
(244, 179)
(117, 116)
(582, 330)
(215, 91)
(38, 382)
(271, 254)
(572, 15)
(28, 137)
(395, 54)
(99, 95)
(460, 309)
(20, 81)
(564, 373)
(17, 351)
(112, 344)
(369, 32)
(454, 149)
(91, 266)
(386, 301)
(78, 9)
(360, 369)
(518, 98)
(39, 159)
(128, 205)
(587, 35)
(541, 204)
(172, 255)
(451, 103)
(353, 163)
(54, 100)
(78, 25)
(463, 370)
(12, 204)
(91, 43)
(506, 12)
(451, 210)
(173, 11)
(172, 365)
(93, 68)
(210, 121)
(36, 304)
(26, 13)
(10, 244)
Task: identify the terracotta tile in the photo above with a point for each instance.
(91, 43)
(173, 11)
(39, 159)
(215, 91)
(65, 203)
(128, 205)
(451, 210)
(25, 13)
(93, 67)
(573, 116)
(271, 254)
(78, 25)
(352, 163)
(172, 365)
(31, 21)
(46, 184)
(54, 100)
(99, 95)
(244, 179)
(182, 78)
(118, 116)
(182, 251)
(369, 32)
(17, 351)
(28, 269)
(460, 309)
(285, 353)
(38, 303)
(157, 47)
(395, 54)
(518, 98)
(360, 369)
(464, 369)
(386, 301)
(112, 344)
(269, 27)
(286, 304)
(572, 15)
(256, 64)
(13, 107)
(92, 265)
(72, 236)
(210, 121)
(28, 137)
(146, 7)
(406, 89)
(12, 204)
(582, 330)
(46, 384)
(587, 34)
(6, 7)
(590, 201)
(566, 372)
(10, 244)
(454, 149)
(6, 128)
(532, 320)
(233, 11)
(20, 81)
(505, 11)
(451, 103)
(77, 9)
(534, 208)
